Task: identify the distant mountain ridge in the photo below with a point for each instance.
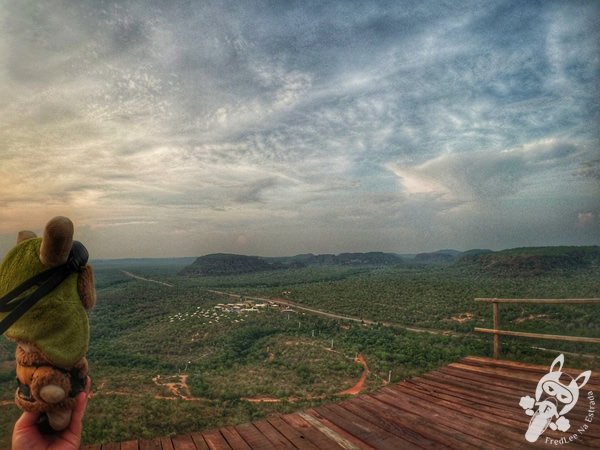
(218, 264)
(446, 256)
(534, 260)
(228, 264)
(517, 261)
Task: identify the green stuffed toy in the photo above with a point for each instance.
(52, 336)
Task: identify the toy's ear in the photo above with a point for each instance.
(585, 376)
(57, 242)
(85, 287)
(560, 360)
(24, 235)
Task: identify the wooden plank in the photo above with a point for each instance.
(215, 440)
(468, 425)
(508, 387)
(386, 421)
(549, 337)
(314, 435)
(111, 446)
(271, 433)
(460, 378)
(588, 440)
(183, 442)
(199, 441)
(329, 431)
(292, 435)
(506, 429)
(129, 445)
(513, 415)
(494, 375)
(520, 366)
(433, 431)
(365, 431)
(512, 390)
(476, 393)
(507, 374)
(353, 440)
(91, 447)
(547, 301)
(166, 443)
(150, 444)
(253, 437)
(528, 372)
(491, 413)
(234, 439)
(472, 394)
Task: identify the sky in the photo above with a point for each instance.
(182, 128)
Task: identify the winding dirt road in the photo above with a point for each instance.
(360, 385)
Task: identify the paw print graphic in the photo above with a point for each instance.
(563, 424)
(527, 403)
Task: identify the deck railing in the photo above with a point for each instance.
(497, 332)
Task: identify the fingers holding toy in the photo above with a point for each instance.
(27, 435)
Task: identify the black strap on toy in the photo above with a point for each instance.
(16, 304)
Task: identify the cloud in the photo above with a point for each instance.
(469, 176)
(590, 169)
(355, 120)
(252, 193)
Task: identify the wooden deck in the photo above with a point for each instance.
(470, 404)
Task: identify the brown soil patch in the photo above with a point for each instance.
(360, 385)
(177, 388)
(530, 317)
(464, 317)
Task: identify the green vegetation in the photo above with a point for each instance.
(172, 359)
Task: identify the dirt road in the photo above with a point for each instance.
(360, 385)
(129, 274)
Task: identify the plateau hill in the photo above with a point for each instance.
(220, 264)
(228, 264)
(533, 260)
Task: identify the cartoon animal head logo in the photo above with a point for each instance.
(556, 394)
(561, 386)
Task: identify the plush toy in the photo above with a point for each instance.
(52, 335)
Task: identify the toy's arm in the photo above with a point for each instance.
(85, 287)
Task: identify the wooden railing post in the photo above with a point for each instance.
(496, 327)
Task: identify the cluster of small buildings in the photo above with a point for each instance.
(224, 310)
(244, 307)
(199, 313)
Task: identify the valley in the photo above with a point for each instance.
(172, 353)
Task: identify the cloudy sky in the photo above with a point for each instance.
(180, 128)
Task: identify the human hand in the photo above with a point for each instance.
(27, 436)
